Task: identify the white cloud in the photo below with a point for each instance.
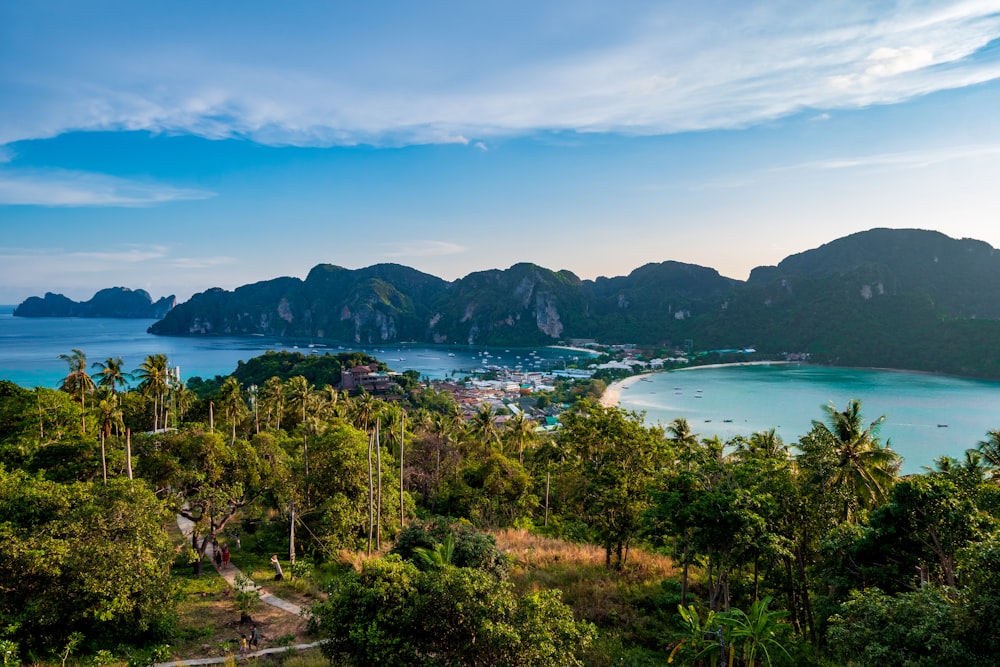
(905, 159)
(344, 78)
(62, 188)
(421, 248)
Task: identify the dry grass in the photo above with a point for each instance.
(595, 593)
(531, 552)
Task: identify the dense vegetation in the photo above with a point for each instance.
(814, 553)
(908, 299)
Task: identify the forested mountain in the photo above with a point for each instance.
(908, 298)
(112, 302)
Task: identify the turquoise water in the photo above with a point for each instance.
(30, 349)
(926, 415)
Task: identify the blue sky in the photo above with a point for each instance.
(176, 146)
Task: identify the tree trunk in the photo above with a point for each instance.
(291, 535)
(547, 474)
(104, 460)
(378, 504)
(684, 573)
(371, 494)
(128, 452)
(211, 417)
(402, 433)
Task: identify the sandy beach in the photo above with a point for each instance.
(612, 395)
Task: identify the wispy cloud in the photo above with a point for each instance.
(904, 159)
(193, 263)
(344, 78)
(421, 248)
(62, 188)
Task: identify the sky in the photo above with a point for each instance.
(176, 146)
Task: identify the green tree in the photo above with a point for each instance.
(81, 557)
(391, 614)
(617, 457)
(154, 376)
(110, 374)
(858, 467)
(78, 382)
(233, 404)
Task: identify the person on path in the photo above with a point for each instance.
(254, 636)
(218, 559)
(243, 646)
(278, 574)
(225, 556)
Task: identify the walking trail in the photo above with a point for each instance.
(229, 574)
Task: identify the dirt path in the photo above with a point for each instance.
(230, 574)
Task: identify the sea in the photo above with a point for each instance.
(926, 416)
(30, 349)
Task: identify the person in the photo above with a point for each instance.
(243, 646)
(218, 558)
(225, 556)
(278, 575)
(254, 636)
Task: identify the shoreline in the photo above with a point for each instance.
(612, 395)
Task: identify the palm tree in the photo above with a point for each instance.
(233, 405)
(110, 374)
(299, 392)
(990, 449)
(863, 467)
(78, 382)
(155, 382)
(484, 428)
(520, 431)
(273, 399)
(109, 415)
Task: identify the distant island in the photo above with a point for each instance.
(893, 298)
(118, 302)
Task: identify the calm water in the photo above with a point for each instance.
(30, 349)
(739, 400)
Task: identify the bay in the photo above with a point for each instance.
(926, 416)
(30, 349)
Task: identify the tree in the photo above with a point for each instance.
(862, 470)
(618, 458)
(272, 399)
(299, 393)
(78, 382)
(110, 374)
(233, 405)
(918, 629)
(484, 429)
(85, 557)
(520, 432)
(154, 376)
(207, 479)
(393, 614)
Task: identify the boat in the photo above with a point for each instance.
(942, 426)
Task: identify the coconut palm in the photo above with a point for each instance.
(990, 449)
(519, 431)
(484, 429)
(78, 382)
(233, 404)
(299, 394)
(272, 399)
(110, 374)
(154, 376)
(863, 467)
